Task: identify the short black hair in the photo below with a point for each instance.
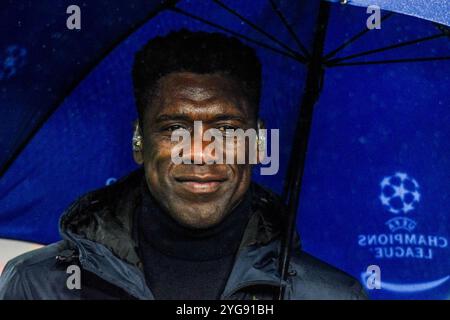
(196, 52)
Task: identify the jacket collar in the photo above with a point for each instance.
(99, 225)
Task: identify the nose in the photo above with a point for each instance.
(199, 152)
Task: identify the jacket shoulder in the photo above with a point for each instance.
(318, 280)
(37, 256)
(34, 275)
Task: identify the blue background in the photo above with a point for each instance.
(371, 121)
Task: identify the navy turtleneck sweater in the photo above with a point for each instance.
(184, 263)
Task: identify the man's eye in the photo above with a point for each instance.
(174, 127)
(224, 128)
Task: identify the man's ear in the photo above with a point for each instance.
(137, 144)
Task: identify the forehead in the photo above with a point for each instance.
(199, 96)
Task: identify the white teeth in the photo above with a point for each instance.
(209, 186)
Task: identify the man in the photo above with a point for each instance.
(179, 231)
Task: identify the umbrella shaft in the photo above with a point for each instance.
(300, 144)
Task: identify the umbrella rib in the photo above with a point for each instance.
(297, 57)
(256, 27)
(390, 61)
(394, 46)
(289, 29)
(353, 39)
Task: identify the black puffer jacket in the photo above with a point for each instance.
(98, 237)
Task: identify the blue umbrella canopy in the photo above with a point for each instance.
(43, 61)
(374, 178)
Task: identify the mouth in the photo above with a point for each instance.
(200, 184)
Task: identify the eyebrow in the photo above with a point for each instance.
(183, 117)
(222, 117)
(172, 117)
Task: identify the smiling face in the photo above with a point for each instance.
(195, 195)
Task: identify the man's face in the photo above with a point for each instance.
(196, 195)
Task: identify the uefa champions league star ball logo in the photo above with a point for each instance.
(11, 60)
(399, 193)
